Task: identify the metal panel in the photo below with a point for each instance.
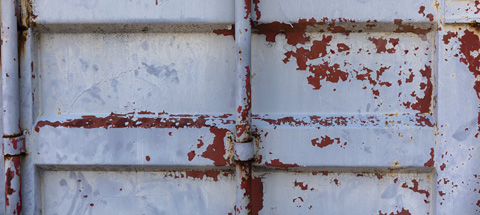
(357, 106)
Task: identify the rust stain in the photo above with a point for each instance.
(430, 162)
(147, 158)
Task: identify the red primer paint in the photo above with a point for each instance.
(441, 193)
(9, 175)
(415, 188)
(336, 181)
(442, 167)
(448, 36)
(200, 143)
(430, 162)
(410, 78)
(257, 195)
(257, 9)
(127, 121)
(318, 49)
(277, 163)
(243, 125)
(147, 158)
(423, 104)
(226, 31)
(325, 72)
(326, 141)
(301, 185)
(430, 17)
(379, 176)
(381, 44)
(216, 150)
(248, 8)
(201, 174)
(342, 47)
(191, 155)
(402, 212)
(470, 43)
(373, 81)
(477, 6)
(421, 11)
(301, 199)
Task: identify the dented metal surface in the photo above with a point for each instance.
(371, 105)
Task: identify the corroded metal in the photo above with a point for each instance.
(243, 180)
(13, 141)
(243, 96)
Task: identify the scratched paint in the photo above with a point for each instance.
(138, 192)
(308, 193)
(393, 75)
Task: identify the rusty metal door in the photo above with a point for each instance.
(241, 107)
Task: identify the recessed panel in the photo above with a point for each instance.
(103, 73)
(186, 192)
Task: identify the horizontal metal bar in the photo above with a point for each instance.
(14, 145)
